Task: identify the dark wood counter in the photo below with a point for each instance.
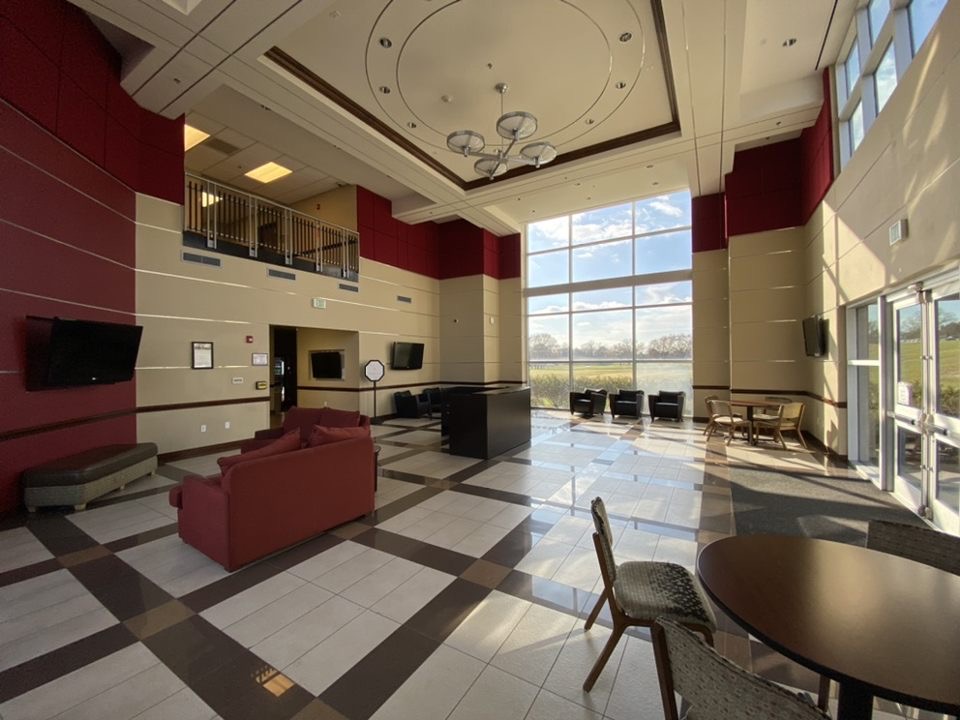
(487, 422)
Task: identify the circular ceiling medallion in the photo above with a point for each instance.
(563, 60)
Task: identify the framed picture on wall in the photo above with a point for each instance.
(259, 359)
(202, 355)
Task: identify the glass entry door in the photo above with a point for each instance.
(926, 400)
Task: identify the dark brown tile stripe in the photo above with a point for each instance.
(223, 673)
(29, 571)
(48, 667)
(360, 692)
(59, 535)
(493, 494)
(235, 583)
(173, 472)
(442, 615)
(548, 593)
(141, 538)
(518, 542)
(417, 551)
(132, 496)
(120, 588)
(400, 504)
(405, 476)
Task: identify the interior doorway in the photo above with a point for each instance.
(283, 363)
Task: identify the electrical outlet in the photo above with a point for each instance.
(226, 425)
(203, 428)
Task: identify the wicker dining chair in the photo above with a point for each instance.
(788, 419)
(913, 542)
(724, 419)
(640, 592)
(713, 687)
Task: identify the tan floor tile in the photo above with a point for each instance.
(82, 556)
(486, 573)
(157, 619)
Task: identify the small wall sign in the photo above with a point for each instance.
(259, 359)
(202, 355)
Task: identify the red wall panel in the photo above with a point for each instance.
(708, 223)
(73, 149)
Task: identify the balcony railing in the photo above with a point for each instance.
(226, 220)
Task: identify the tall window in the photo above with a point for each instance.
(882, 40)
(609, 296)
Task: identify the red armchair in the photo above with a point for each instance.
(305, 419)
(265, 505)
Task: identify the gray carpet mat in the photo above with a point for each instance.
(809, 505)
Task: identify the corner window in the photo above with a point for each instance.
(923, 16)
(885, 79)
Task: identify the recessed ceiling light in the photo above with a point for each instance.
(779, 123)
(192, 136)
(620, 85)
(625, 37)
(654, 183)
(789, 42)
(384, 89)
(268, 172)
(649, 166)
(589, 121)
(385, 42)
(412, 125)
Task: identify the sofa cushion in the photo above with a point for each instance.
(329, 417)
(289, 441)
(322, 435)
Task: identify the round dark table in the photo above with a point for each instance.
(878, 624)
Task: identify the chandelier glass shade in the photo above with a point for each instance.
(512, 126)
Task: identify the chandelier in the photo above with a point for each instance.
(512, 126)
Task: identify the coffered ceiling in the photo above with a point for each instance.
(638, 96)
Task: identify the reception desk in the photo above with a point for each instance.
(485, 422)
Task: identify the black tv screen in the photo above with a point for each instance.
(814, 336)
(407, 356)
(68, 353)
(327, 364)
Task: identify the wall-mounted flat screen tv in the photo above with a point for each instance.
(815, 336)
(407, 356)
(327, 364)
(69, 353)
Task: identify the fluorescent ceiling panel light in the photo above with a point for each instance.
(268, 172)
(192, 136)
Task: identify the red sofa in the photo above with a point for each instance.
(305, 419)
(264, 505)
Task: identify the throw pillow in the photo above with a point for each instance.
(324, 435)
(290, 441)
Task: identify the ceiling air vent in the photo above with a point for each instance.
(221, 146)
(200, 259)
(282, 274)
(349, 288)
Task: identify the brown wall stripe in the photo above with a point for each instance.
(73, 422)
(435, 383)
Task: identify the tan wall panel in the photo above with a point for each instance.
(338, 206)
(711, 372)
(767, 304)
(779, 340)
(174, 430)
(762, 244)
(759, 375)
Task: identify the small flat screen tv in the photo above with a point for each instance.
(70, 353)
(327, 364)
(407, 356)
(814, 336)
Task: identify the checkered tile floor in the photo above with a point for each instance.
(462, 596)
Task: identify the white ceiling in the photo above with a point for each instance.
(320, 112)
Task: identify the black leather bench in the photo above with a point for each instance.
(79, 478)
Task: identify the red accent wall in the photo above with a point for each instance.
(439, 250)
(57, 69)
(709, 231)
(781, 185)
(74, 148)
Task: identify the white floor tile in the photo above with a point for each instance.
(327, 560)
(404, 602)
(184, 705)
(238, 606)
(483, 631)
(323, 665)
(579, 653)
(306, 632)
(636, 689)
(434, 689)
(548, 706)
(19, 548)
(359, 566)
(381, 582)
(531, 649)
(262, 623)
(496, 694)
(130, 697)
